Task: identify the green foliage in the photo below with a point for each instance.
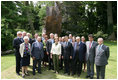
(77, 18)
(6, 36)
(86, 17)
(100, 34)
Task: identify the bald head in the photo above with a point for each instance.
(100, 41)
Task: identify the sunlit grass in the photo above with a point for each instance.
(8, 67)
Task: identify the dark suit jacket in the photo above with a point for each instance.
(102, 56)
(61, 47)
(49, 45)
(67, 50)
(81, 52)
(33, 40)
(91, 52)
(16, 45)
(37, 50)
(30, 41)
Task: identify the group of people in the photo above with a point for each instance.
(68, 52)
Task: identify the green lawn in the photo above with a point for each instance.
(8, 67)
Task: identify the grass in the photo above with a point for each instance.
(8, 67)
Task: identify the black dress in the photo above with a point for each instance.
(45, 59)
(25, 60)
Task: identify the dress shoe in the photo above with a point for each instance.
(65, 72)
(91, 77)
(27, 74)
(87, 76)
(68, 73)
(78, 75)
(73, 74)
(40, 72)
(33, 73)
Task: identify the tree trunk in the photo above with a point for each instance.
(110, 20)
(53, 19)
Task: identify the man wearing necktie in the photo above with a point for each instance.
(90, 56)
(35, 39)
(16, 44)
(37, 54)
(101, 58)
(70, 38)
(48, 49)
(78, 56)
(67, 55)
(62, 44)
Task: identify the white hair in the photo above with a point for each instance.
(26, 37)
(70, 34)
(28, 34)
(77, 37)
(51, 34)
(82, 37)
(23, 32)
(38, 37)
(43, 33)
(100, 39)
(19, 32)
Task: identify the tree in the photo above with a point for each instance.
(110, 20)
(29, 15)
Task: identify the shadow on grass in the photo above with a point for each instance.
(46, 74)
(49, 74)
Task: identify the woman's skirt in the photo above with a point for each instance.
(25, 61)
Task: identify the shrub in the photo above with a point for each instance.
(100, 34)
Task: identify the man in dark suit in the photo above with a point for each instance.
(70, 38)
(43, 36)
(30, 40)
(61, 60)
(48, 49)
(24, 34)
(16, 44)
(78, 56)
(90, 56)
(101, 58)
(35, 39)
(37, 54)
(67, 55)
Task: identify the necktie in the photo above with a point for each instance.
(77, 45)
(89, 45)
(52, 41)
(20, 39)
(39, 45)
(66, 43)
(99, 47)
